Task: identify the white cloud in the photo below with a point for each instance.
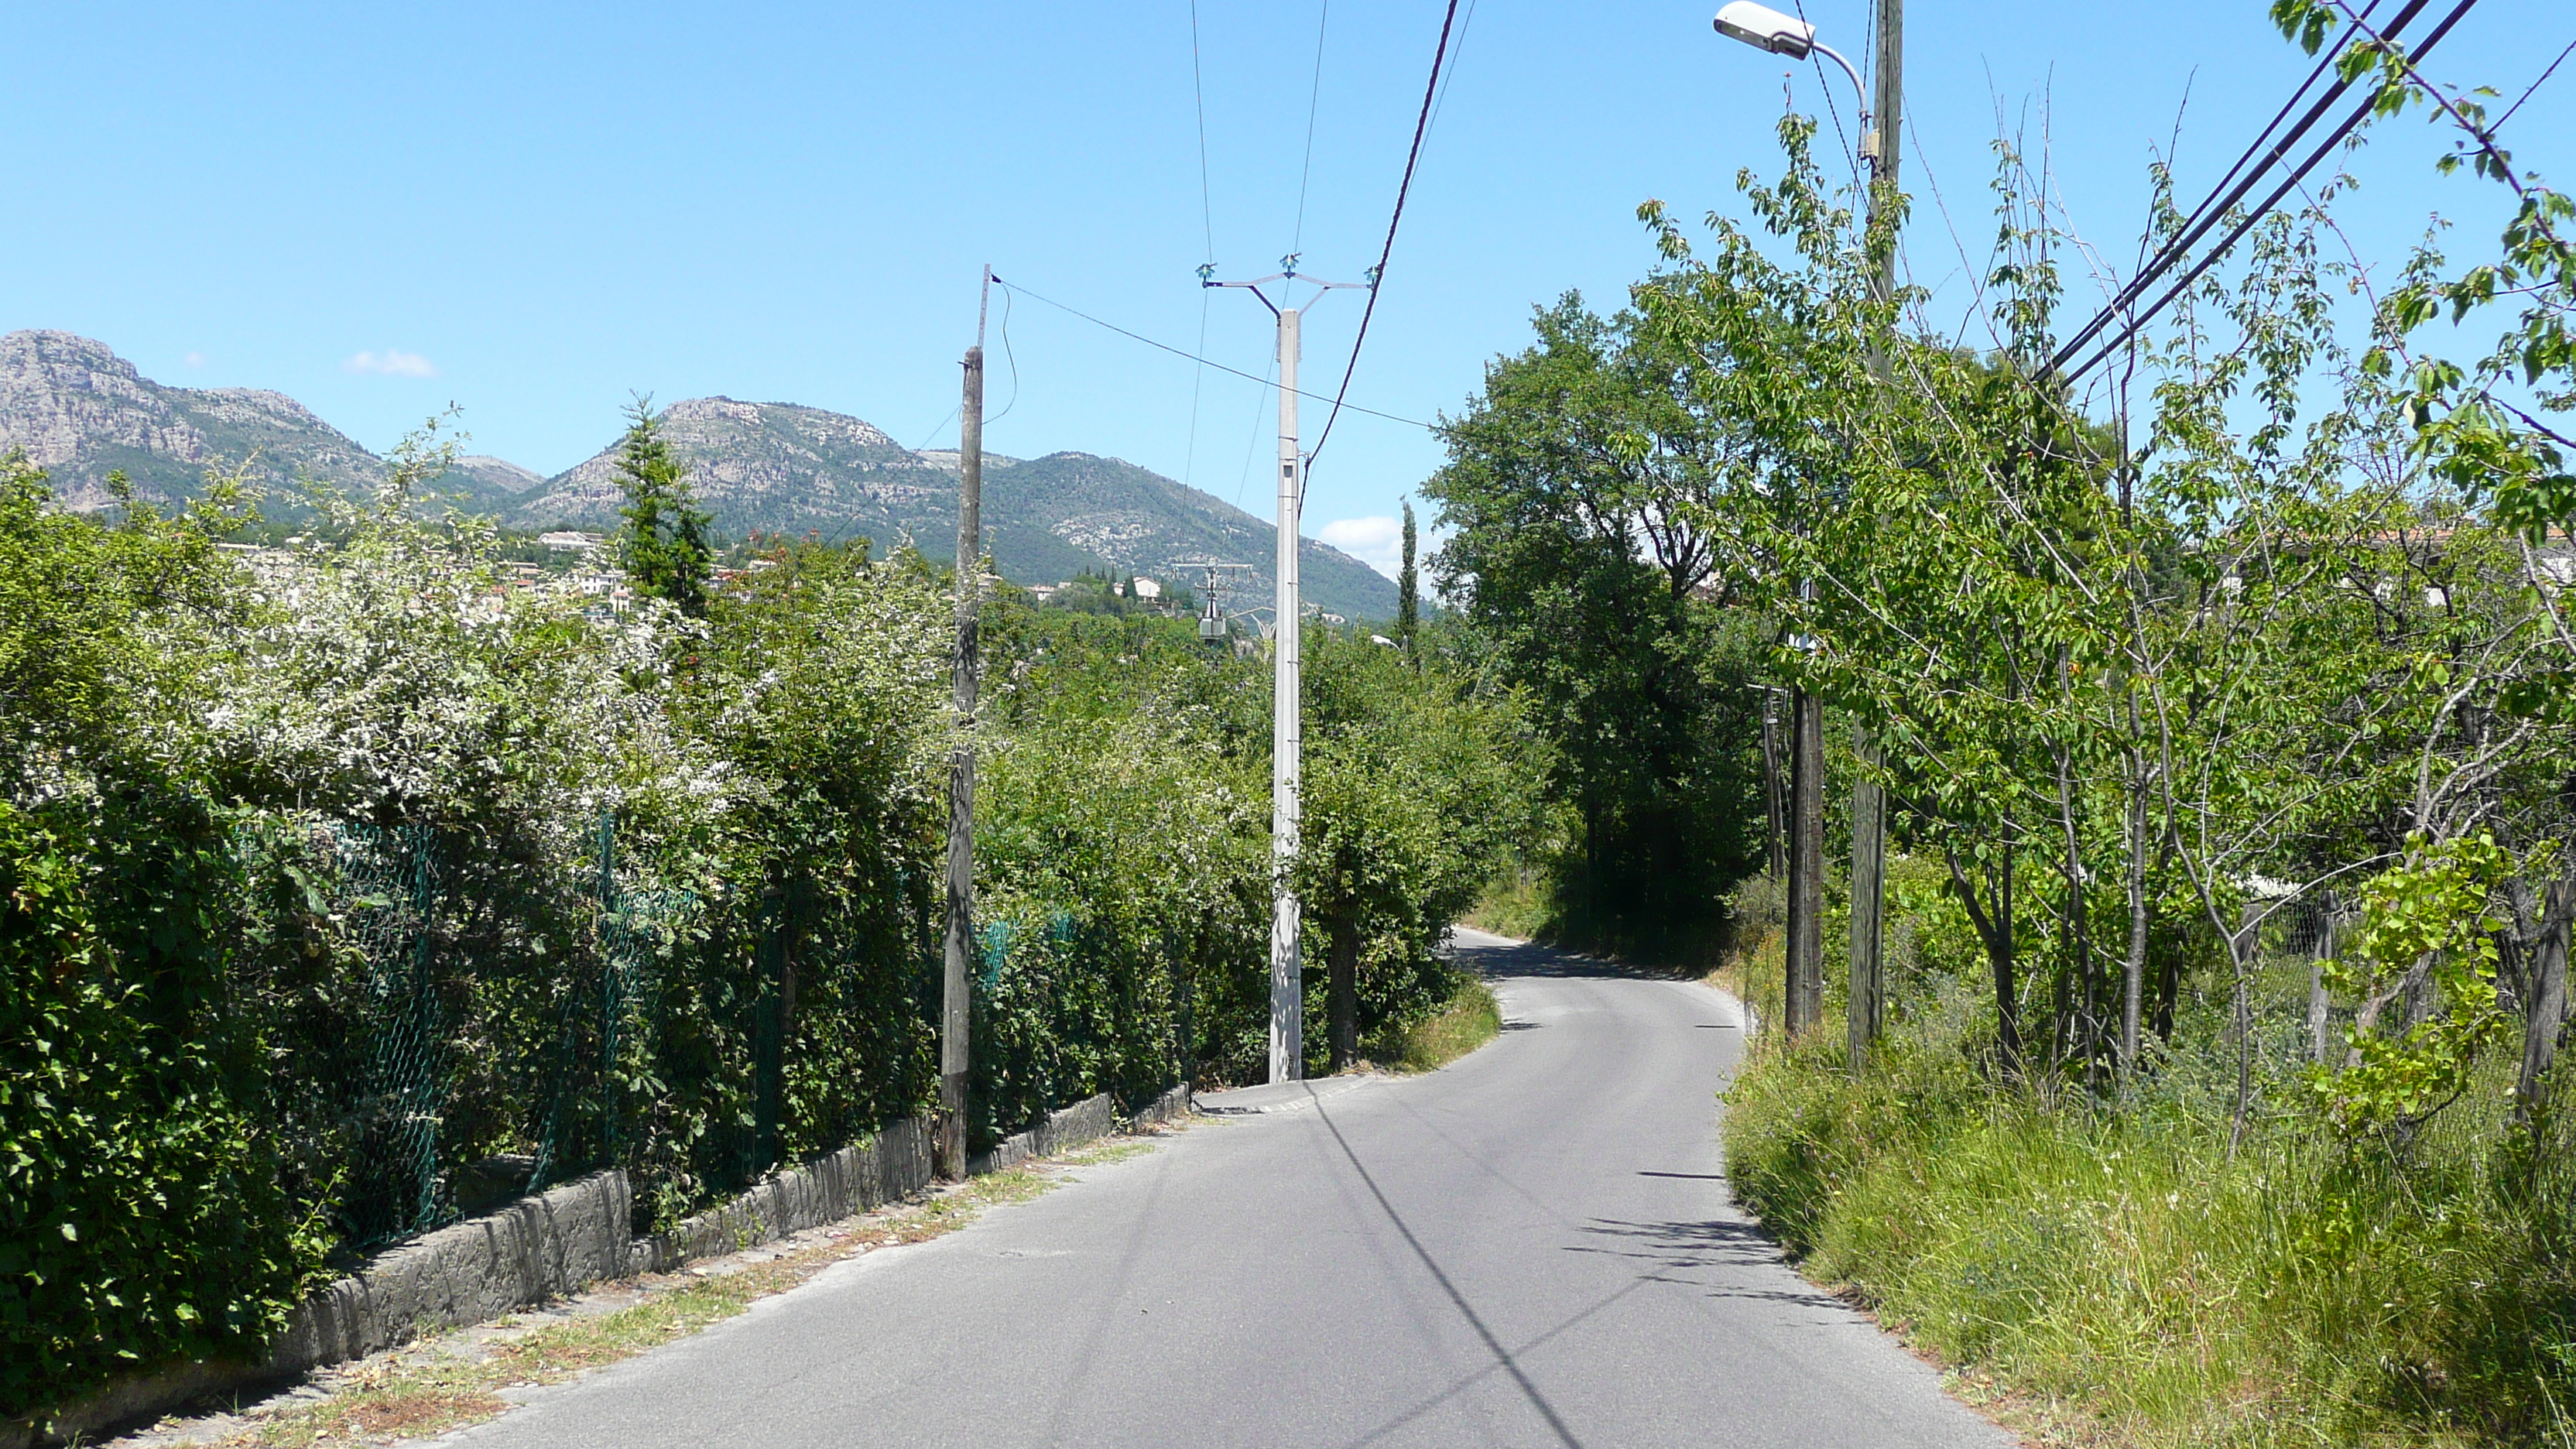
(1376, 541)
(193, 359)
(392, 362)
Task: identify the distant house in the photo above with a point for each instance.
(1148, 589)
(569, 541)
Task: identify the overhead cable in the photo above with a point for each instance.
(2247, 223)
(1194, 357)
(2231, 188)
(1314, 96)
(1207, 228)
(1377, 274)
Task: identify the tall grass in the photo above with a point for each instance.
(2117, 1262)
(1470, 1018)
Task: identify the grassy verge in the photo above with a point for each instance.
(2121, 1278)
(1470, 1019)
(425, 1390)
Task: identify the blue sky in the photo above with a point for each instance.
(533, 209)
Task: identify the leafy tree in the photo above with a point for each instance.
(1414, 786)
(1578, 553)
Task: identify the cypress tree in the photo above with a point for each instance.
(1408, 596)
(664, 543)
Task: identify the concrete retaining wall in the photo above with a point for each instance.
(1171, 1106)
(1090, 1118)
(1084, 1121)
(894, 1163)
(535, 1249)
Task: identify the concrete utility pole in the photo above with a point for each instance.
(1868, 1006)
(1287, 736)
(956, 1016)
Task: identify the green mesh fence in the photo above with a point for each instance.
(698, 1048)
(395, 1186)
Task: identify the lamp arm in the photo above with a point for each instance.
(1859, 90)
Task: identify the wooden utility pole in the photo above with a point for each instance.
(1803, 993)
(956, 1016)
(1868, 1003)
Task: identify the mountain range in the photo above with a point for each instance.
(80, 411)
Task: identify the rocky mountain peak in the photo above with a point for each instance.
(81, 411)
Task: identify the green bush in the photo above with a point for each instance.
(142, 1210)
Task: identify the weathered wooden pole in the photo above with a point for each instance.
(1867, 1007)
(957, 1015)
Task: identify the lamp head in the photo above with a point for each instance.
(1764, 28)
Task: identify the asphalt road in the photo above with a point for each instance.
(1531, 1247)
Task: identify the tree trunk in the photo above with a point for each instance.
(1342, 952)
(1775, 799)
(2133, 970)
(2240, 954)
(1804, 960)
(2545, 999)
(1995, 929)
(1867, 1004)
(2319, 954)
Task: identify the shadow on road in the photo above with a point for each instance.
(1676, 1249)
(1528, 958)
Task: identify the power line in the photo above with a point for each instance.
(2238, 180)
(1012, 358)
(1458, 52)
(1314, 95)
(2237, 233)
(1206, 362)
(1377, 274)
(1207, 227)
(1198, 94)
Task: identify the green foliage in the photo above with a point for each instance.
(1408, 592)
(352, 885)
(142, 1209)
(1414, 787)
(1592, 585)
(2425, 923)
(2153, 1287)
(664, 543)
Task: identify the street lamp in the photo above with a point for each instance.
(1764, 28)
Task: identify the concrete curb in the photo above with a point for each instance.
(536, 1248)
(554, 1244)
(1088, 1120)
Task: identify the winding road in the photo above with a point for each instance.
(1533, 1246)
